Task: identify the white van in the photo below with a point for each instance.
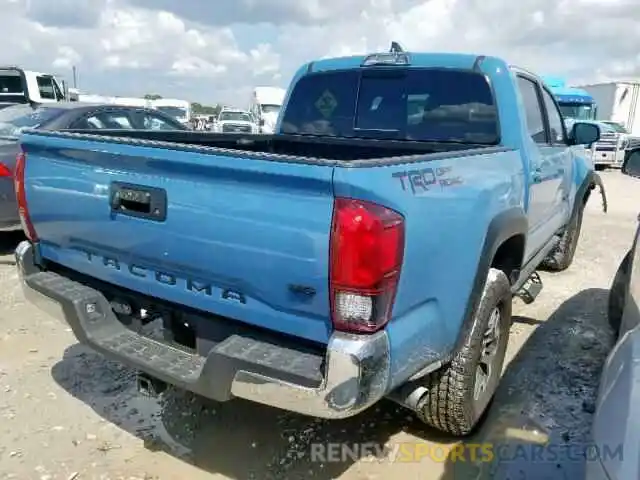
(265, 106)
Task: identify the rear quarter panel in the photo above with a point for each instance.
(446, 224)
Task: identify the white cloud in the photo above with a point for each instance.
(208, 51)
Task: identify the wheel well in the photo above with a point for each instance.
(508, 257)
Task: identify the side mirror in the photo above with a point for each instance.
(583, 133)
(631, 165)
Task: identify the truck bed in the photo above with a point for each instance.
(237, 226)
(299, 148)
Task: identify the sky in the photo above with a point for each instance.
(216, 51)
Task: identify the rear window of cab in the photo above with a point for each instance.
(399, 103)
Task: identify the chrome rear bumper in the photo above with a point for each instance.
(355, 374)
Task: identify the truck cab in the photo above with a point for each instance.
(26, 86)
(574, 103)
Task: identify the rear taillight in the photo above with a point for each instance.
(21, 198)
(367, 246)
(5, 171)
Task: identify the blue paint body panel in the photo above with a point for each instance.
(257, 226)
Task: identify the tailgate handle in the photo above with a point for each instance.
(138, 201)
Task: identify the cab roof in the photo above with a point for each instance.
(417, 59)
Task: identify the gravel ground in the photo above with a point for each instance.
(67, 413)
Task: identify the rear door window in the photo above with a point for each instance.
(147, 120)
(533, 109)
(107, 120)
(395, 103)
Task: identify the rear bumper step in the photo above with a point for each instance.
(356, 368)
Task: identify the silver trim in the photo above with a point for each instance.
(25, 263)
(349, 387)
(357, 366)
(14, 227)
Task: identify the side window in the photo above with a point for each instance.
(555, 119)
(150, 121)
(106, 120)
(533, 112)
(45, 85)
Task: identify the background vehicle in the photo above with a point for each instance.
(58, 116)
(265, 106)
(575, 103)
(611, 149)
(618, 405)
(619, 106)
(23, 86)
(231, 120)
(178, 109)
(362, 251)
(617, 102)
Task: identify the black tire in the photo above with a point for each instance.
(451, 404)
(599, 167)
(618, 293)
(561, 257)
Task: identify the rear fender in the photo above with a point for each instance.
(585, 179)
(504, 226)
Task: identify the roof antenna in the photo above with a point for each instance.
(396, 48)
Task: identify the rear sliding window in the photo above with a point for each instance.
(408, 104)
(11, 83)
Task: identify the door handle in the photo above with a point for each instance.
(138, 201)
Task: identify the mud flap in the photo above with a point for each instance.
(597, 181)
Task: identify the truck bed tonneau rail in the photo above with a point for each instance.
(288, 148)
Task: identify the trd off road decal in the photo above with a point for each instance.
(420, 181)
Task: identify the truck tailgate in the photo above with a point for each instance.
(244, 236)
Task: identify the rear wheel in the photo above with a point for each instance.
(458, 394)
(618, 293)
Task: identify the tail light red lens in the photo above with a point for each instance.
(21, 198)
(367, 247)
(5, 171)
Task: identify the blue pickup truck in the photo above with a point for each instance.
(369, 249)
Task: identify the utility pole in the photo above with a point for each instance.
(75, 77)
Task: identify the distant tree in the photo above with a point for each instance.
(152, 96)
(199, 109)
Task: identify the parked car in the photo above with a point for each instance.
(59, 116)
(231, 120)
(361, 251)
(617, 415)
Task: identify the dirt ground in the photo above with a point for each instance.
(66, 413)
